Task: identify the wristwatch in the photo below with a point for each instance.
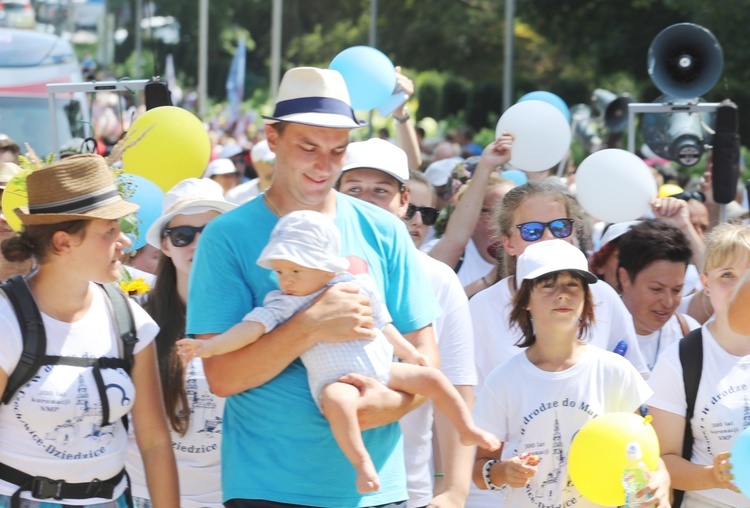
(403, 119)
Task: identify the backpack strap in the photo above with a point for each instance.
(123, 320)
(691, 358)
(32, 333)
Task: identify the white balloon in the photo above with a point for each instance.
(615, 185)
(542, 134)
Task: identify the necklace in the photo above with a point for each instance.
(270, 204)
(656, 354)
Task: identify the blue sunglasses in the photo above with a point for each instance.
(533, 231)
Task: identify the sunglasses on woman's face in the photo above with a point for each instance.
(429, 214)
(533, 231)
(182, 236)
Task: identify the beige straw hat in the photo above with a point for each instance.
(76, 188)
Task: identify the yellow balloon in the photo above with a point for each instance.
(14, 196)
(669, 189)
(176, 147)
(597, 455)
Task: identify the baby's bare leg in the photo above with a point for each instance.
(430, 382)
(339, 405)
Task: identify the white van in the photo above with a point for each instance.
(28, 61)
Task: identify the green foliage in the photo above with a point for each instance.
(485, 98)
(454, 97)
(429, 96)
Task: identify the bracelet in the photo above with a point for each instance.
(403, 119)
(438, 475)
(484, 279)
(488, 481)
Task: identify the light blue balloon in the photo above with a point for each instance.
(549, 98)
(740, 459)
(369, 75)
(149, 197)
(516, 176)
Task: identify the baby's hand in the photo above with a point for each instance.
(189, 349)
(416, 358)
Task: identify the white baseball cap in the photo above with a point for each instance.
(230, 150)
(261, 152)
(378, 154)
(549, 256)
(189, 197)
(439, 172)
(219, 167)
(308, 239)
(616, 230)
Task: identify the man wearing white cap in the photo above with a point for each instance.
(278, 449)
(223, 172)
(262, 158)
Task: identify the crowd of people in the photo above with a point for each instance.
(313, 298)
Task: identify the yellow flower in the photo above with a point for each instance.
(135, 286)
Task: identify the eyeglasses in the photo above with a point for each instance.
(429, 214)
(182, 236)
(533, 231)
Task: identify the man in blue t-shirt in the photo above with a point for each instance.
(277, 448)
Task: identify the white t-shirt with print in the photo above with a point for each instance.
(542, 415)
(654, 344)
(455, 340)
(722, 409)
(198, 452)
(53, 426)
(494, 339)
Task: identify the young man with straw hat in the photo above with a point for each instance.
(278, 449)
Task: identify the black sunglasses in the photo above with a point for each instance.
(687, 196)
(533, 231)
(429, 214)
(182, 236)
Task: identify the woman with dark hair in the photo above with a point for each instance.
(63, 433)
(566, 383)
(193, 412)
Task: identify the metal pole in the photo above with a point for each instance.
(373, 23)
(202, 58)
(278, 8)
(510, 8)
(138, 38)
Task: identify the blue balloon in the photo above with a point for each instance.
(369, 75)
(549, 98)
(740, 459)
(516, 176)
(149, 197)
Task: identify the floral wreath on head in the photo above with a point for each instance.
(459, 176)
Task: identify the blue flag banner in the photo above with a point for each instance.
(236, 81)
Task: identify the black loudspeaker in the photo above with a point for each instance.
(613, 107)
(685, 60)
(725, 173)
(157, 93)
(677, 136)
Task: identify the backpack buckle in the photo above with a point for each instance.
(45, 488)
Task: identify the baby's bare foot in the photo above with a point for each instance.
(476, 436)
(367, 478)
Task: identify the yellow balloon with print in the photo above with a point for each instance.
(173, 145)
(597, 455)
(15, 196)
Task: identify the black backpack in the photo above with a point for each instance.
(34, 355)
(691, 358)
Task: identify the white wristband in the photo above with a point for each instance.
(488, 481)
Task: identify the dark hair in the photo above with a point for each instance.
(652, 240)
(168, 310)
(515, 197)
(521, 317)
(8, 145)
(600, 257)
(36, 240)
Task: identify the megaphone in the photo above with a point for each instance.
(585, 129)
(685, 60)
(679, 136)
(613, 107)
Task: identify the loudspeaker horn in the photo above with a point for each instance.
(685, 60)
(585, 129)
(613, 107)
(678, 136)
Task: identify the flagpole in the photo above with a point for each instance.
(202, 57)
(278, 7)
